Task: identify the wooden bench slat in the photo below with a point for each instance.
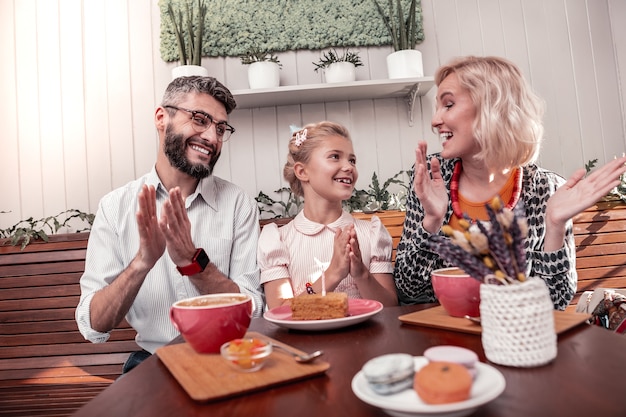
(45, 280)
(39, 293)
(85, 348)
(59, 338)
(40, 269)
(45, 326)
(48, 257)
(7, 365)
(107, 377)
(18, 316)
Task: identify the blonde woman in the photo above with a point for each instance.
(489, 122)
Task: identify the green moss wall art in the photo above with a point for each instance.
(233, 27)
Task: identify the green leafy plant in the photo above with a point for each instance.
(332, 56)
(26, 230)
(375, 197)
(188, 27)
(378, 197)
(257, 55)
(288, 208)
(617, 193)
(402, 30)
(590, 165)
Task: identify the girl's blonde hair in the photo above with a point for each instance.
(302, 144)
(508, 124)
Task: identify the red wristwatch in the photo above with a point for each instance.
(198, 263)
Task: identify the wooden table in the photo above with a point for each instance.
(586, 378)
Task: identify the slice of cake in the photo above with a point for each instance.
(333, 305)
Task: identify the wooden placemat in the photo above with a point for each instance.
(208, 377)
(437, 317)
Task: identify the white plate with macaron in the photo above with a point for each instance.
(488, 384)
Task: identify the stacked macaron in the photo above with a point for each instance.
(448, 376)
(391, 373)
(454, 354)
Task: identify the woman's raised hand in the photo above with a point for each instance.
(430, 189)
(581, 192)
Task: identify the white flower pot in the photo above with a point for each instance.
(188, 70)
(340, 72)
(264, 74)
(518, 323)
(405, 64)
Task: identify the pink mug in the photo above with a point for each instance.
(208, 321)
(458, 293)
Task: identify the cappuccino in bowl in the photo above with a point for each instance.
(208, 321)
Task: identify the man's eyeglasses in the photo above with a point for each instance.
(201, 121)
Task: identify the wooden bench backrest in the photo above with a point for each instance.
(39, 292)
(600, 234)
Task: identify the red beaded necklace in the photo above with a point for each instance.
(454, 189)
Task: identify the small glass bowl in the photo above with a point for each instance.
(247, 354)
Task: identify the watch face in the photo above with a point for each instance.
(198, 263)
(202, 258)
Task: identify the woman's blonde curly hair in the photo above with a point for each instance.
(508, 124)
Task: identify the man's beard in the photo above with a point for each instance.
(175, 149)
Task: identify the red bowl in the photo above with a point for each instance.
(458, 293)
(208, 321)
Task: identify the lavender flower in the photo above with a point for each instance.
(493, 251)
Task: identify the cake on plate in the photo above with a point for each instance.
(333, 305)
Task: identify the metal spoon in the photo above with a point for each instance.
(299, 357)
(473, 319)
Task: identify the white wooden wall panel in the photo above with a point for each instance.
(585, 78)
(362, 124)
(80, 87)
(72, 106)
(430, 46)
(143, 97)
(606, 80)
(469, 27)
(118, 91)
(491, 24)
(540, 64)
(97, 119)
(10, 208)
(50, 111)
(617, 13)
(28, 112)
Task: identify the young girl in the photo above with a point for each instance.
(354, 255)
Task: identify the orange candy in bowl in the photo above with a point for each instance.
(248, 354)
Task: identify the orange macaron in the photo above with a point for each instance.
(442, 383)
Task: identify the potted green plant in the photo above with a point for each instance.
(339, 67)
(188, 26)
(264, 70)
(403, 29)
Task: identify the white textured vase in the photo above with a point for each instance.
(264, 74)
(518, 323)
(405, 64)
(188, 70)
(340, 72)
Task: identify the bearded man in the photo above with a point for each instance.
(176, 232)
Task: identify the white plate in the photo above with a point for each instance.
(489, 383)
(359, 310)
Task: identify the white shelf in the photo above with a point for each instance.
(409, 88)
